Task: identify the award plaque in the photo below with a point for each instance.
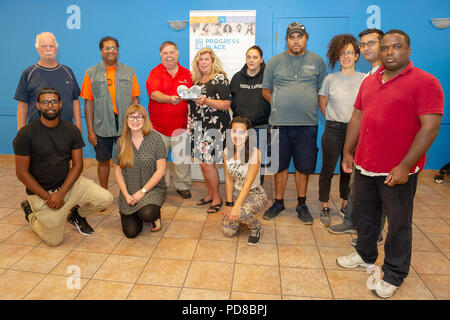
(190, 94)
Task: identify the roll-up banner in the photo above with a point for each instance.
(229, 33)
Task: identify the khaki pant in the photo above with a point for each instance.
(49, 223)
(181, 160)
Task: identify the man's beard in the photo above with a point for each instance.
(51, 117)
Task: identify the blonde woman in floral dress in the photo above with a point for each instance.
(208, 118)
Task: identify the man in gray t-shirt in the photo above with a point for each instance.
(291, 82)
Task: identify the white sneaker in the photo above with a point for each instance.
(384, 289)
(353, 260)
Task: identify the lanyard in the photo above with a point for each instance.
(302, 60)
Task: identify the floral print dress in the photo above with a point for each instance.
(207, 125)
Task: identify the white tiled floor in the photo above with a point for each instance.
(191, 259)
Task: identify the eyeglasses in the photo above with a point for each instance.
(347, 53)
(370, 44)
(47, 102)
(135, 118)
(110, 48)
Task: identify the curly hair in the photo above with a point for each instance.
(337, 44)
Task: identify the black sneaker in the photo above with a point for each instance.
(304, 215)
(26, 208)
(439, 178)
(325, 217)
(79, 222)
(273, 211)
(185, 194)
(343, 211)
(255, 235)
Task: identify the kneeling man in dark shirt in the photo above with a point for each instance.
(43, 150)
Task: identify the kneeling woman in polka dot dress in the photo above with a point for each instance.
(140, 166)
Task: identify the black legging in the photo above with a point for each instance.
(132, 224)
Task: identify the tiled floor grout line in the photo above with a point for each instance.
(26, 294)
(323, 264)
(320, 255)
(47, 274)
(279, 262)
(431, 241)
(106, 259)
(151, 255)
(32, 248)
(271, 199)
(420, 277)
(90, 279)
(439, 250)
(234, 267)
(93, 274)
(192, 258)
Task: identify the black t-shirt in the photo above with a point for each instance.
(50, 151)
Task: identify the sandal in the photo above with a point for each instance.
(154, 227)
(215, 208)
(202, 202)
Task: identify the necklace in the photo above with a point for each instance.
(296, 72)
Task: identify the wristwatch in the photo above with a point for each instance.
(144, 191)
(229, 203)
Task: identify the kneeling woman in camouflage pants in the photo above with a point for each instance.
(245, 195)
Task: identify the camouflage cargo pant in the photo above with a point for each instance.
(256, 201)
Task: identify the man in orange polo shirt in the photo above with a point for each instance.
(109, 88)
(168, 112)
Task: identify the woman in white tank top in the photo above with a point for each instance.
(244, 194)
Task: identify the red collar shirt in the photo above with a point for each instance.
(165, 117)
(390, 115)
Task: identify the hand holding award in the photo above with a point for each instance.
(189, 94)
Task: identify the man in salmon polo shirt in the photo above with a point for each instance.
(109, 88)
(168, 113)
(397, 116)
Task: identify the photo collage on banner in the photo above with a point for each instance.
(229, 33)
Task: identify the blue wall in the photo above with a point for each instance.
(141, 26)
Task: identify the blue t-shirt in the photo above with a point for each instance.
(294, 81)
(36, 77)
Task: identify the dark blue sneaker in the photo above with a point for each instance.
(304, 215)
(273, 211)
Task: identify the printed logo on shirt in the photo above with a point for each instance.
(309, 67)
(109, 82)
(253, 86)
(183, 81)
